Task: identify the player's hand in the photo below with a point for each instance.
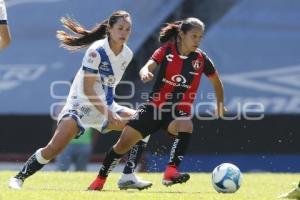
(146, 76)
(114, 119)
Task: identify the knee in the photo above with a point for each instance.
(121, 146)
(184, 126)
(128, 139)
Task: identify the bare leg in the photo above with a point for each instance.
(127, 140)
(65, 131)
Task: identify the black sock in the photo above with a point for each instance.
(110, 161)
(179, 148)
(30, 167)
(134, 156)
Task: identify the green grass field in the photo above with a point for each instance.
(72, 186)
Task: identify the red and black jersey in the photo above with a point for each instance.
(179, 76)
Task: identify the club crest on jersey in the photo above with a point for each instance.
(196, 64)
(109, 80)
(169, 57)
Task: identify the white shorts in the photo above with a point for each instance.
(87, 116)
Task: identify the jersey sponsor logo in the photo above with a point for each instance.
(90, 60)
(177, 81)
(91, 56)
(170, 57)
(104, 66)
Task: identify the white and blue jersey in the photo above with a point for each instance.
(3, 15)
(99, 59)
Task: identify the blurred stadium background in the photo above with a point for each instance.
(253, 43)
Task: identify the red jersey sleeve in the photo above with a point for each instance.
(159, 54)
(209, 67)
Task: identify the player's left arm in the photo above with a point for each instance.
(213, 75)
(219, 92)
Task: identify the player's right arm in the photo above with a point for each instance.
(90, 65)
(146, 73)
(4, 29)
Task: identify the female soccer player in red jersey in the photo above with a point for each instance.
(170, 103)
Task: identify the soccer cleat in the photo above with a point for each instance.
(293, 194)
(97, 184)
(15, 183)
(130, 181)
(172, 176)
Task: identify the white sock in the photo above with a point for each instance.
(40, 158)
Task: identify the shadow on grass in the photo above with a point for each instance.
(114, 191)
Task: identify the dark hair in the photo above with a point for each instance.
(171, 30)
(83, 37)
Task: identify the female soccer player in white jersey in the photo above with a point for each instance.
(4, 29)
(91, 99)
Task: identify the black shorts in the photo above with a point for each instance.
(150, 119)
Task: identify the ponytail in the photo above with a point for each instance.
(83, 37)
(169, 32)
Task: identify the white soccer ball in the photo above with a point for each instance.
(226, 178)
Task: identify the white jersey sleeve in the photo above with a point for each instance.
(3, 15)
(91, 60)
(129, 55)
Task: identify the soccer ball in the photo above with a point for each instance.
(226, 178)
